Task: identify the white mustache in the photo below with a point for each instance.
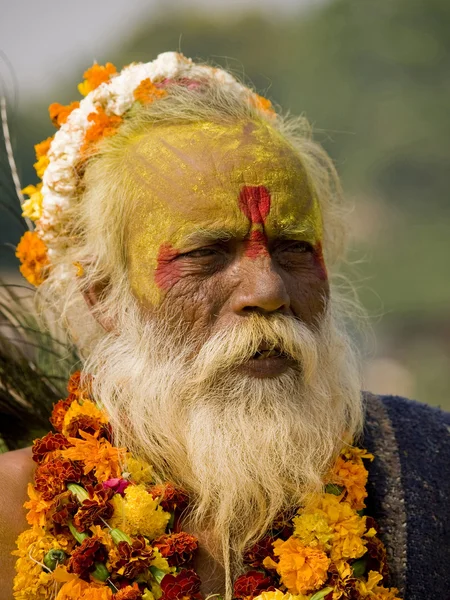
(229, 348)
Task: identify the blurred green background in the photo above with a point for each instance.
(374, 79)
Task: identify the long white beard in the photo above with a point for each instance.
(245, 449)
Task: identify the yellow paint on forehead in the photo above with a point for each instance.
(186, 178)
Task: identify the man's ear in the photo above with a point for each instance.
(92, 296)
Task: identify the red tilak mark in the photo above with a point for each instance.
(167, 271)
(256, 245)
(254, 201)
(320, 262)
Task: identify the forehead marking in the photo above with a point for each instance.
(254, 202)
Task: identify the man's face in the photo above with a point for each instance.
(225, 226)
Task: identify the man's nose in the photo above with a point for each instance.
(261, 288)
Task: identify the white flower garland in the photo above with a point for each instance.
(115, 97)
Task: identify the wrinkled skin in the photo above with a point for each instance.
(225, 224)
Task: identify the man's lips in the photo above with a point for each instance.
(267, 362)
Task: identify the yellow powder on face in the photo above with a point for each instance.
(207, 177)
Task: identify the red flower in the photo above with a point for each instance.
(172, 498)
(252, 584)
(255, 555)
(51, 478)
(50, 442)
(95, 508)
(83, 558)
(59, 412)
(135, 558)
(83, 423)
(182, 586)
(178, 548)
(129, 593)
(62, 510)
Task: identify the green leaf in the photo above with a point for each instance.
(321, 593)
(359, 567)
(332, 488)
(157, 574)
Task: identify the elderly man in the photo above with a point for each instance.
(186, 233)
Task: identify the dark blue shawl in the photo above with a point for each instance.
(409, 492)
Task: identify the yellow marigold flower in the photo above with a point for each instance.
(353, 453)
(42, 159)
(37, 507)
(147, 595)
(32, 208)
(302, 569)
(32, 253)
(313, 530)
(371, 589)
(60, 113)
(98, 455)
(278, 595)
(348, 527)
(95, 76)
(139, 470)
(139, 513)
(88, 409)
(31, 581)
(146, 92)
(160, 562)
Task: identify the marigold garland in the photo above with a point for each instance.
(101, 529)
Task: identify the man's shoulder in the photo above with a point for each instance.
(414, 423)
(409, 490)
(16, 470)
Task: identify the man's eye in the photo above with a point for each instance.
(200, 253)
(298, 247)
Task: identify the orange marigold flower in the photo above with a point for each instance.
(32, 253)
(77, 589)
(85, 409)
(97, 454)
(59, 412)
(353, 476)
(60, 113)
(37, 507)
(146, 92)
(103, 125)
(262, 104)
(129, 593)
(95, 76)
(301, 568)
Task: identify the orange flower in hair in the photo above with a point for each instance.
(32, 253)
(95, 76)
(146, 92)
(103, 125)
(60, 113)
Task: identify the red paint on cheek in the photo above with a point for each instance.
(256, 245)
(254, 201)
(320, 262)
(167, 271)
